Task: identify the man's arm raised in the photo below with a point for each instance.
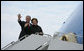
(19, 20)
(19, 17)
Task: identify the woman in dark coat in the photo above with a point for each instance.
(35, 28)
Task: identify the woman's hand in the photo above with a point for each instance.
(40, 33)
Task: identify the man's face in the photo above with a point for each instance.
(28, 18)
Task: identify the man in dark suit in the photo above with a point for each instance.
(25, 26)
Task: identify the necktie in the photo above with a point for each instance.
(28, 26)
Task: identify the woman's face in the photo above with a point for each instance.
(34, 22)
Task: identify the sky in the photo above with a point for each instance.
(50, 15)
